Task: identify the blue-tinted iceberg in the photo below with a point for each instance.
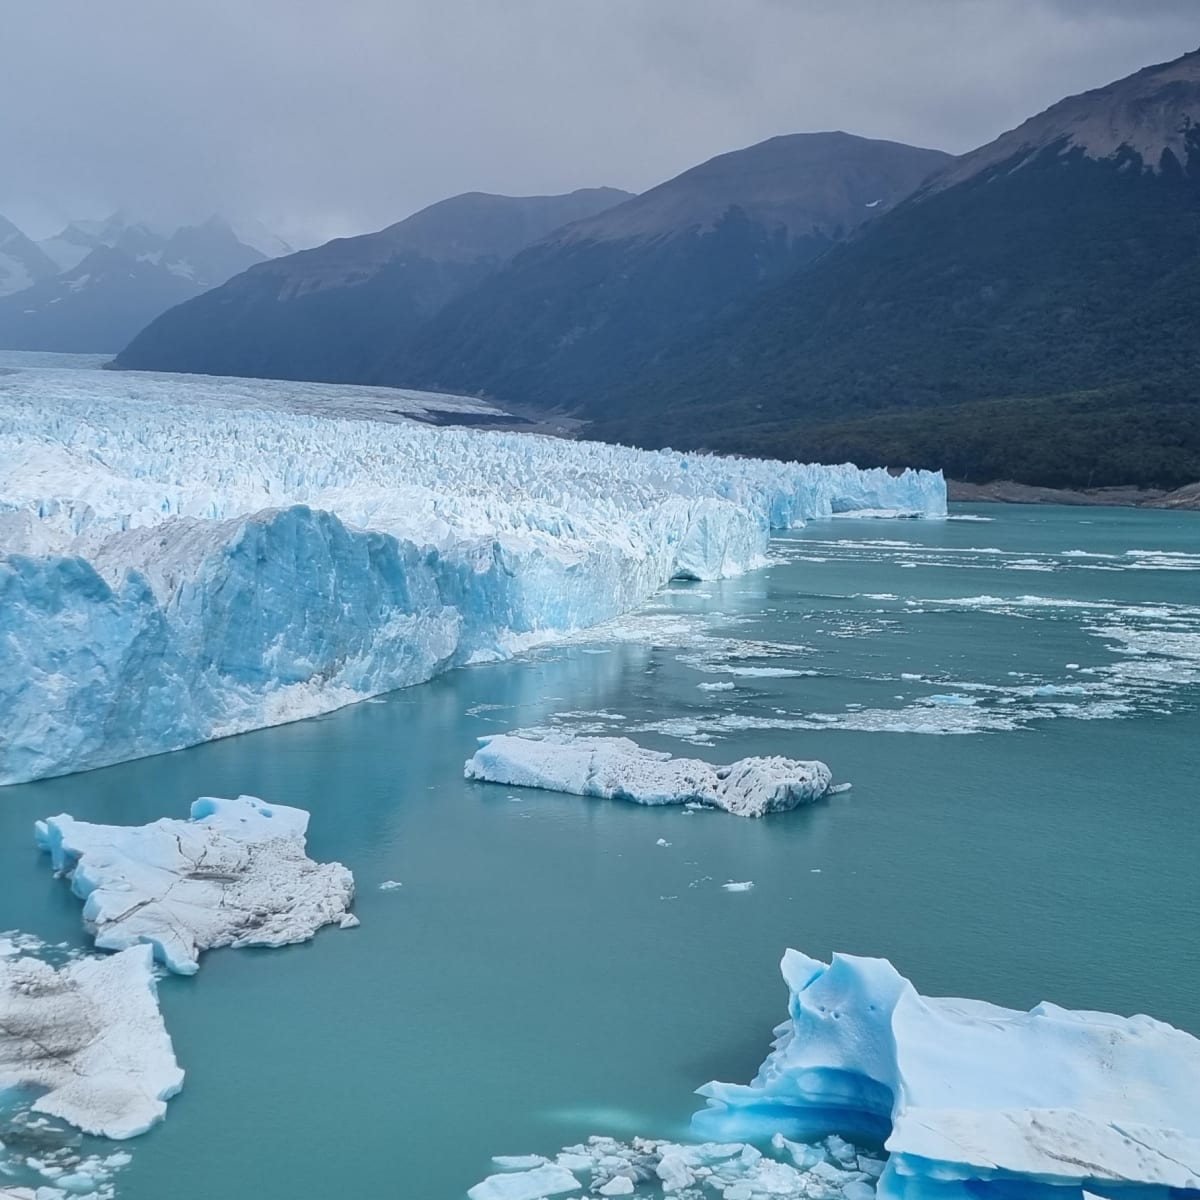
(235, 874)
(183, 558)
(972, 1100)
(619, 769)
(89, 1039)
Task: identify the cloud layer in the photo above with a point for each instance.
(322, 119)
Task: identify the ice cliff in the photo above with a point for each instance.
(619, 769)
(174, 569)
(235, 874)
(973, 1100)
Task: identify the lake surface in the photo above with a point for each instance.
(1014, 700)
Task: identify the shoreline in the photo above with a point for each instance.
(1007, 492)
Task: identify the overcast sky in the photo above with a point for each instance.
(322, 117)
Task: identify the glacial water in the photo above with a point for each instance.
(1015, 702)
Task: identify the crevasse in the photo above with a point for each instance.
(173, 572)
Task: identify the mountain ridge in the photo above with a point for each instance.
(1059, 288)
(325, 313)
(571, 315)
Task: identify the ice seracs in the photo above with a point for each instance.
(973, 1100)
(619, 769)
(89, 1038)
(183, 558)
(234, 874)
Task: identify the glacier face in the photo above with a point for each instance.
(178, 565)
(234, 874)
(973, 1100)
(617, 768)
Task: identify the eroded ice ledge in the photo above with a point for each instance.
(619, 769)
(234, 874)
(172, 573)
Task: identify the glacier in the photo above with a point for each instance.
(89, 1038)
(185, 558)
(616, 768)
(234, 874)
(972, 1100)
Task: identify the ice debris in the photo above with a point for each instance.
(620, 769)
(89, 1038)
(173, 570)
(828, 1170)
(234, 874)
(973, 1100)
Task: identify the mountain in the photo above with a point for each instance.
(118, 276)
(580, 312)
(118, 231)
(330, 313)
(22, 262)
(258, 237)
(1030, 313)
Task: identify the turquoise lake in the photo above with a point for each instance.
(1015, 699)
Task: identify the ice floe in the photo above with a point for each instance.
(831, 1169)
(972, 1099)
(89, 1039)
(234, 874)
(620, 769)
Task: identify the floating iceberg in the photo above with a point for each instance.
(235, 874)
(89, 1037)
(619, 769)
(182, 559)
(831, 1170)
(974, 1101)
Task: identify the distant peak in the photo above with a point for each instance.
(1151, 113)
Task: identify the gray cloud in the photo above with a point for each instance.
(341, 117)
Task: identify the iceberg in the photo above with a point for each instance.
(234, 874)
(617, 768)
(830, 1170)
(537, 1183)
(90, 1039)
(972, 1100)
(185, 558)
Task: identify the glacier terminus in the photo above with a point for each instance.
(177, 565)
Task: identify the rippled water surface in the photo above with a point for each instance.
(1014, 700)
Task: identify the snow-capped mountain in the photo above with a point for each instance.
(96, 283)
(22, 262)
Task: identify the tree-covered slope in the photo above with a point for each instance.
(331, 313)
(1057, 267)
(582, 312)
